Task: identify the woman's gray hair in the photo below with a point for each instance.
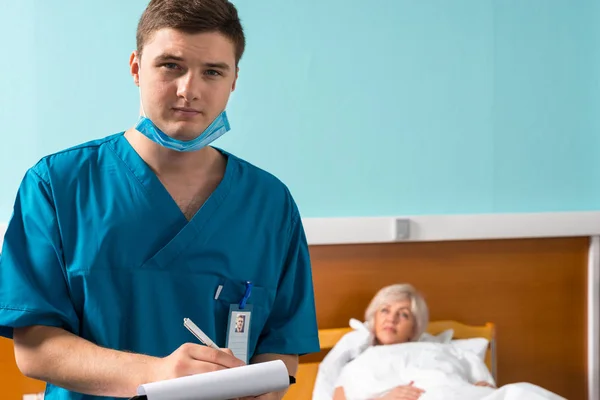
(400, 292)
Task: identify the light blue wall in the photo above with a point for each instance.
(363, 108)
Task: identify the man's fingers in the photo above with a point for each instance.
(226, 358)
(228, 351)
(223, 357)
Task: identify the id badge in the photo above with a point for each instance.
(238, 330)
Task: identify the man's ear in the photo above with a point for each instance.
(237, 71)
(134, 67)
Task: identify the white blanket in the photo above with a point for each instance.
(348, 348)
(444, 371)
(355, 342)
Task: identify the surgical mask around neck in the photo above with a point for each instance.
(215, 130)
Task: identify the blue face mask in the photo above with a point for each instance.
(215, 130)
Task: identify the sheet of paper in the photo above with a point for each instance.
(249, 380)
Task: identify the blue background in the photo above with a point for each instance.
(386, 107)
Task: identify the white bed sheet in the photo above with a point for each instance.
(444, 371)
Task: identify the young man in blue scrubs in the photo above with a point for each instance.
(114, 242)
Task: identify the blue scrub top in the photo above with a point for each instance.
(97, 246)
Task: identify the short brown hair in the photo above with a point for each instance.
(192, 16)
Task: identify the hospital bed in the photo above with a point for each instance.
(308, 368)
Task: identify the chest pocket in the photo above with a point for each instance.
(261, 299)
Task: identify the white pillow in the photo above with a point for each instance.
(478, 346)
(444, 337)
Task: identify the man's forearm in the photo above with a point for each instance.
(63, 359)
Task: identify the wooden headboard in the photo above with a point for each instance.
(533, 290)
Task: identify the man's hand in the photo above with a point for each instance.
(191, 359)
(290, 361)
(59, 357)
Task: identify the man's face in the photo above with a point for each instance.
(185, 80)
(240, 323)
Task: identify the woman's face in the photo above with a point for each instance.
(394, 323)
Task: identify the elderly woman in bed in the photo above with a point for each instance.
(397, 315)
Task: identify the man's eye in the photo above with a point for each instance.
(171, 66)
(212, 72)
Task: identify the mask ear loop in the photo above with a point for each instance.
(140, 89)
(142, 101)
(140, 92)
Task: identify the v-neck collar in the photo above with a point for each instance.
(158, 193)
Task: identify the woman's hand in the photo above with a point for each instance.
(484, 383)
(406, 392)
